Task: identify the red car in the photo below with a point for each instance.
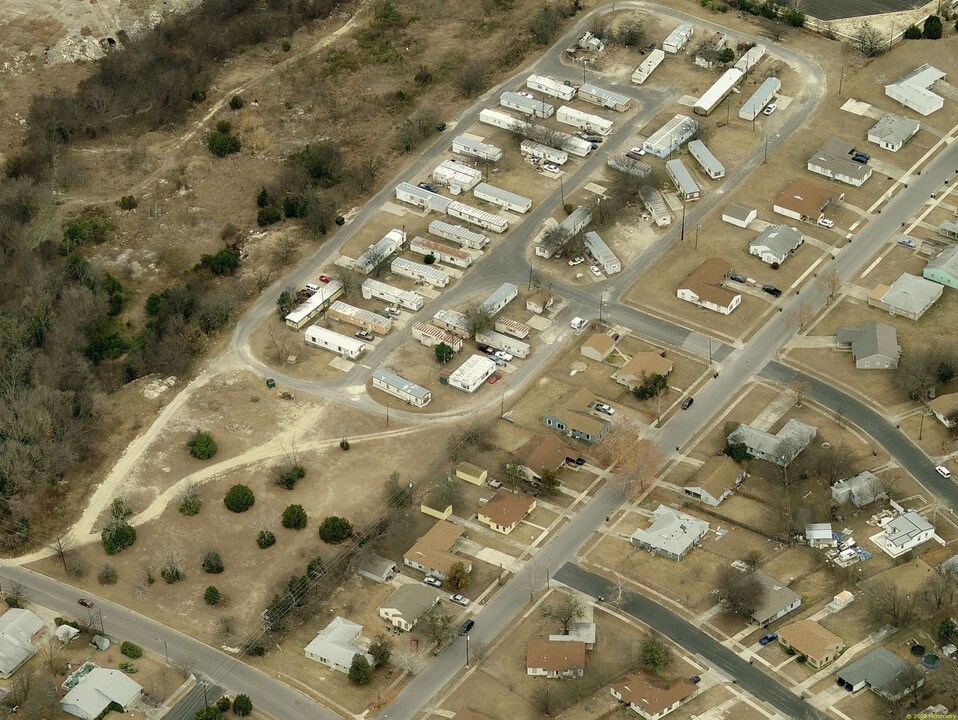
(494, 378)
(324, 278)
(85, 603)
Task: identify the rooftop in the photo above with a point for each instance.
(784, 446)
(644, 365)
(600, 342)
(834, 157)
(777, 597)
(910, 293)
(810, 638)
(806, 198)
(870, 339)
(542, 453)
(672, 532)
(881, 669)
(507, 508)
(894, 128)
(738, 212)
(434, 549)
(945, 405)
(401, 383)
(706, 282)
(946, 260)
(555, 656)
(411, 600)
(905, 528)
(652, 693)
(779, 239)
(718, 474)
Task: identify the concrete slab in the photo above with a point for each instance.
(398, 210)
(537, 322)
(342, 364)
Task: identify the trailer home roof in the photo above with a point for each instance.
(449, 231)
(610, 98)
(401, 384)
(683, 179)
(706, 159)
(426, 270)
(318, 299)
(530, 104)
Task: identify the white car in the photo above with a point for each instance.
(551, 167)
(943, 471)
(826, 223)
(432, 582)
(578, 323)
(576, 261)
(459, 600)
(604, 409)
(527, 94)
(637, 151)
(772, 107)
(503, 355)
(393, 310)
(594, 269)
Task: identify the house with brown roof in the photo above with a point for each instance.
(506, 510)
(808, 638)
(540, 301)
(434, 553)
(945, 408)
(598, 347)
(555, 659)
(575, 418)
(805, 200)
(715, 480)
(703, 287)
(641, 367)
(652, 697)
(542, 453)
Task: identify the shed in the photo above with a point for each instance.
(739, 215)
(597, 347)
(471, 473)
(376, 568)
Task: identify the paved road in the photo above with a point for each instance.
(692, 639)
(194, 701)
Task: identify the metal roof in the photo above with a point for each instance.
(750, 58)
(705, 157)
(602, 252)
(881, 669)
(912, 293)
(911, 89)
(457, 232)
(682, 177)
(681, 32)
(905, 528)
(504, 294)
(720, 88)
(818, 531)
(451, 317)
(672, 532)
(427, 270)
(672, 134)
(475, 369)
(480, 148)
(509, 197)
(316, 300)
(760, 98)
(894, 128)
(401, 384)
(531, 104)
(382, 287)
(429, 199)
(780, 240)
(610, 97)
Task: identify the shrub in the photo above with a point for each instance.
(737, 451)
(335, 530)
(265, 539)
(344, 444)
(107, 575)
(171, 573)
(242, 705)
(236, 102)
(932, 28)
(288, 478)
(202, 446)
(131, 650)
(458, 576)
(239, 498)
(225, 262)
(651, 387)
(294, 517)
(295, 206)
(224, 126)
(191, 503)
(430, 259)
(223, 144)
(568, 208)
(117, 536)
(213, 563)
(127, 667)
(212, 596)
(127, 202)
(223, 704)
(269, 215)
(287, 46)
(443, 353)
(913, 32)
(264, 198)
(208, 713)
(315, 567)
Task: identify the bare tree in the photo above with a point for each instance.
(801, 316)
(49, 652)
(478, 318)
(831, 284)
(471, 77)
(60, 546)
(800, 389)
(350, 279)
(278, 343)
(946, 681)
(636, 459)
(939, 590)
(545, 698)
(832, 463)
(889, 603)
(868, 39)
(739, 593)
(565, 612)
(286, 250)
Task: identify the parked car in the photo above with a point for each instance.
(393, 310)
(85, 603)
(429, 186)
(441, 127)
(503, 355)
(826, 223)
(907, 242)
(769, 109)
(687, 403)
(526, 94)
(594, 139)
(581, 134)
(943, 471)
(771, 637)
(494, 378)
(637, 151)
(497, 360)
(340, 220)
(551, 167)
(494, 484)
(432, 581)
(695, 679)
(860, 159)
(365, 335)
(604, 409)
(737, 278)
(772, 290)
(594, 269)
(312, 288)
(466, 627)
(576, 261)
(324, 278)
(578, 323)
(580, 461)
(459, 600)
(856, 153)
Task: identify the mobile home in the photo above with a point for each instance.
(328, 340)
(584, 121)
(548, 86)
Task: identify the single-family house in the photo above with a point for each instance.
(19, 632)
(555, 659)
(860, 490)
(808, 638)
(96, 690)
(376, 568)
(909, 296)
(943, 269)
(775, 243)
(904, 533)
(945, 408)
(406, 606)
(650, 696)
(472, 474)
(542, 453)
(540, 301)
(578, 631)
(576, 420)
(777, 600)
(336, 645)
(739, 215)
(434, 553)
(884, 672)
(834, 160)
(703, 287)
(506, 510)
(715, 480)
(641, 367)
(893, 131)
(598, 347)
(672, 533)
(781, 448)
(805, 200)
(874, 345)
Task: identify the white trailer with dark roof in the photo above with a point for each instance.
(709, 163)
(533, 149)
(457, 233)
(502, 198)
(602, 253)
(463, 145)
(584, 121)
(393, 295)
(360, 317)
(684, 183)
(643, 71)
(551, 87)
(500, 119)
(525, 105)
(400, 387)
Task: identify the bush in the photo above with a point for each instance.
(202, 446)
(651, 387)
(315, 567)
(225, 262)
(360, 672)
(213, 563)
(223, 144)
(287, 46)
(265, 539)
(191, 503)
(264, 198)
(443, 353)
(223, 704)
(242, 705)
(288, 478)
(269, 215)
(344, 444)
(236, 102)
(129, 668)
(171, 573)
(430, 259)
(131, 650)
(127, 202)
(118, 536)
(335, 530)
(913, 32)
(224, 126)
(239, 498)
(208, 713)
(294, 517)
(107, 575)
(212, 596)
(932, 28)
(568, 208)
(737, 451)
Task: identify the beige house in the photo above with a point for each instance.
(434, 553)
(555, 659)
(540, 301)
(715, 480)
(471, 473)
(542, 453)
(641, 367)
(945, 408)
(598, 347)
(506, 510)
(652, 697)
(404, 608)
(810, 639)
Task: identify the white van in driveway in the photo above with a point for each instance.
(578, 323)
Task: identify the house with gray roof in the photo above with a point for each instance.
(686, 186)
(376, 568)
(909, 296)
(781, 448)
(944, 268)
(776, 243)
(834, 160)
(19, 631)
(777, 600)
(911, 89)
(335, 645)
(893, 131)
(860, 490)
(884, 672)
(672, 533)
(96, 689)
(404, 608)
(904, 533)
(874, 345)
(711, 165)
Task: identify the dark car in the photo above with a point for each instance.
(441, 127)
(340, 220)
(695, 679)
(466, 626)
(85, 603)
(772, 290)
(570, 461)
(687, 403)
(737, 278)
(580, 461)
(771, 637)
(594, 139)
(429, 186)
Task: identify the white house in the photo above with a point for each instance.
(95, 690)
(335, 645)
(470, 376)
(892, 131)
(651, 697)
(400, 387)
(405, 607)
(321, 337)
(672, 533)
(703, 287)
(903, 533)
(776, 243)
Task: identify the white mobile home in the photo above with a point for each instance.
(642, 72)
(421, 198)
(319, 301)
(440, 251)
(766, 92)
(470, 376)
(655, 204)
(750, 58)
(430, 336)
(463, 145)
(718, 92)
(499, 119)
(710, 164)
(579, 218)
(671, 136)
(458, 233)
(502, 198)
(602, 253)
(456, 174)
(396, 296)
(573, 145)
(454, 322)
(525, 105)
(912, 90)
(503, 342)
(512, 327)
(365, 319)
(328, 340)
(419, 272)
(480, 218)
(604, 98)
(391, 242)
(584, 121)
(548, 86)
(503, 295)
(687, 187)
(678, 38)
(533, 149)
(401, 387)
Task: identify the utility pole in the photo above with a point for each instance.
(387, 414)
(548, 578)
(166, 650)
(921, 423)
(502, 405)
(683, 223)
(530, 277)
(561, 190)
(467, 651)
(697, 235)
(841, 79)
(766, 150)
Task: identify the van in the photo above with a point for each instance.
(466, 627)
(578, 323)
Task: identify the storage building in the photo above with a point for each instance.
(503, 295)
(584, 121)
(419, 272)
(710, 164)
(344, 345)
(629, 165)
(604, 98)
(365, 319)
(469, 376)
(440, 251)
(512, 327)
(718, 92)
(602, 253)
(526, 105)
(454, 322)
(739, 215)
(671, 136)
(687, 187)
(400, 387)
(499, 119)
(643, 71)
(834, 160)
(456, 175)
(396, 296)
(376, 254)
(503, 342)
(480, 218)
(457, 233)
(753, 107)
(502, 198)
(548, 86)
(319, 301)
(911, 90)
(750, 58)
(430, 336)
(421, 198)
(463, 145)
(893, 131)
(678, 38)
(533, 149)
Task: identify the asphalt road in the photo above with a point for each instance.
(194, 701)
(696, 642)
